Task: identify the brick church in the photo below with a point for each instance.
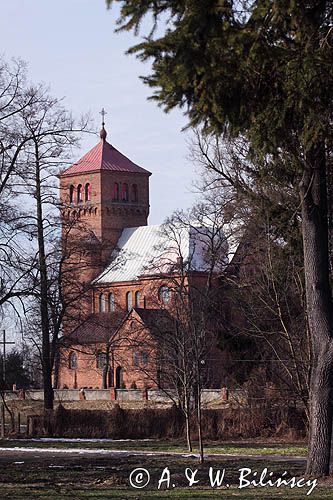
(127, 270)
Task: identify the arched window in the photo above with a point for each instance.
(71, 194)
(102, 303)
(137, 299)
(134, 193)
(129, 301)
(87, 192)
(100, 360)
(80, 193)
(135, 358)
(72, 361)
(144, 358)
(164, 294)
(111, 303)
(115, 194)
(124, 192)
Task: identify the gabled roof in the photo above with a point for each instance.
(96, 328)
(158, 321)
(101, 327)
(149, 251)
(105, 157)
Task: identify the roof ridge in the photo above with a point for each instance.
(104, 143)
(104, 156)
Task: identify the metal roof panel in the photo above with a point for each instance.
(148, 250)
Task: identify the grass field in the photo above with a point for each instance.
(232, 493)
(81, 477)
(233, 448)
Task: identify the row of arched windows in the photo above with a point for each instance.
(106, 303)
(100, 360)
(80, 193)
(136, 358)
(121, 192)
(129, 300)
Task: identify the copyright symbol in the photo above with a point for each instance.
(139, 478)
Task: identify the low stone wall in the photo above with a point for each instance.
(10, 395)
(130, 395)
(212, 395)
(159, 396)
(209, 396)
(35, 395)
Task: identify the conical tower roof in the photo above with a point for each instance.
(104, 156)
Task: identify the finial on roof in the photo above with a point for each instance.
(103, 133)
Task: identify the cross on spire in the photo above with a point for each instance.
(102, 133)
(103, 113)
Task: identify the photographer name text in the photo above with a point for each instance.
(217, 478)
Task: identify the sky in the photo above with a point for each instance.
(71, 46)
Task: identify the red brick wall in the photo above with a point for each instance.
(87, 374)
(149, 289)
(105, 217)
(91, 229)
(128, 340)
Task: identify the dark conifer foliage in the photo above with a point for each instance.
(17, 372)
(261, 70)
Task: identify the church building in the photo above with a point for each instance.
(128, 269)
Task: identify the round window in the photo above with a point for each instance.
(164, 294)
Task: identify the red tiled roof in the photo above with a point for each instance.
(159, 321)
(104, 156)
(96, 328)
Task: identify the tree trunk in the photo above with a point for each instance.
(188, 432)
(45, 324)
(318, 463)
(56, 365)
(199, 415)
(187, 421)
(313, 192)
(106, 368)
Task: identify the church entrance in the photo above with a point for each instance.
(119, 377)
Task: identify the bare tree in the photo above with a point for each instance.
(189, 261)
(264, 283)
(264, 308)
(16, 97)
(48, 133)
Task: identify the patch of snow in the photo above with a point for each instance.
(84, 440)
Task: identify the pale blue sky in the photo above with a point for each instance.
(70, 45)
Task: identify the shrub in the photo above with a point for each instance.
(117, 423)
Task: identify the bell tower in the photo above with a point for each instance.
(101, 194)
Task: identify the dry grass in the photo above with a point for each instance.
(120, 423)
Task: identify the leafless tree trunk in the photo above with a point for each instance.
(307, 176)
(313, 192)
(44, 312)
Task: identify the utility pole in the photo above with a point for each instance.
(4, 343)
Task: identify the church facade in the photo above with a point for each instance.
(129, 270)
